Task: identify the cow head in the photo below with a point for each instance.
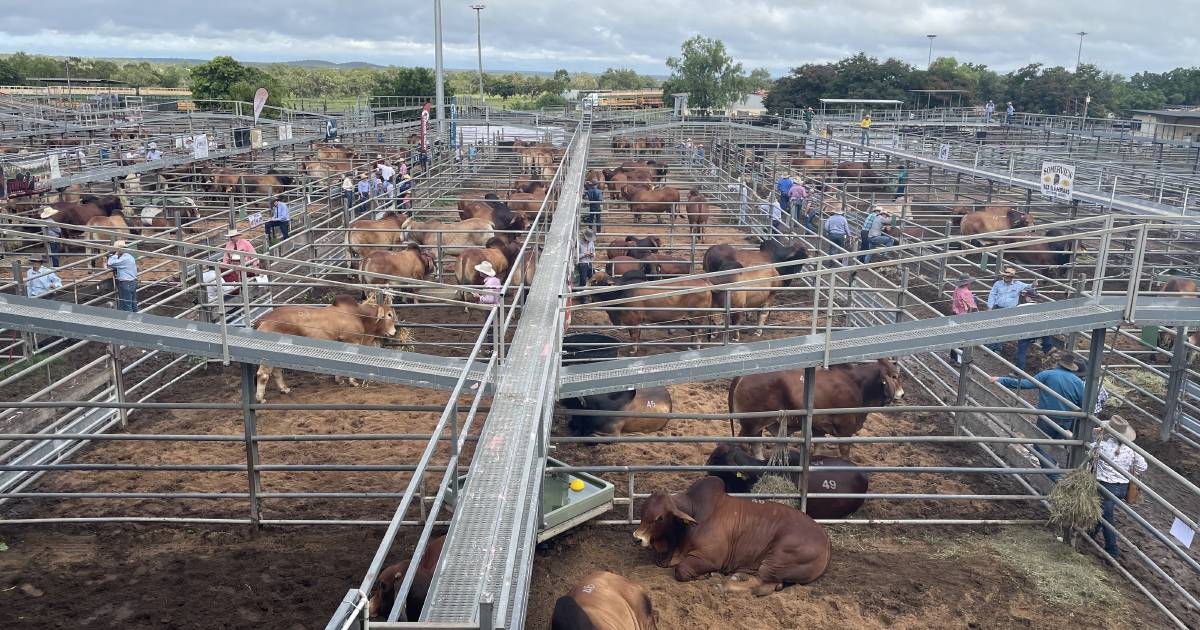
(893, 387)
(1019, 219)
(384, 315)
(662, 527)
(383, 595)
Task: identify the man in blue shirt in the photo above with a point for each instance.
(281, 219)
(594, 197)
(1008, 113)
(124, 270)
(153, 153)
(40, 280)
(1006, 293)
(836, 229)
(1062, 380)
(783, 188)
(364, 191)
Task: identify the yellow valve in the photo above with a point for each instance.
(577, 485)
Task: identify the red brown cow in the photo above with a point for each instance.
(654, 169)
(620, 265)
(383, 593)
(769, 252)
(365, 236)
(645, 399)
(529, 184)
(862, 177)
(659, 264)
(871, 384)
(674, 309)
(496, 251)
(527, 203)
(633, 247)
(643, 199)
(820, 480)
(364, 324)
(1166, 338)
(88, 208)
(992, 219)
(1053, 256)
(759, 295)
(410, 262)
(704, 531)
(492, 208)
(697, 211)
(604, 601)
(616, 179)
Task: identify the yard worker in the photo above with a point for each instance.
(1006, 293)
(1008, 113)
(124, 269)
(281, 219)
(902, 181)
(865, 126)
(699, 154)
(585, 256)
(876, 237)
(348, 191)
(364, 191)
(239, 244)
(783, 187)
(402, 170)
(471, 157)
(1047, 343)
(962, 301)
(796, 197)
(808, 118)
(594, 197)
(988, 110)
(776, 217)
(40, 280)
(836, 229)
(152, 153)
(1115, 477)
(386, 172)
(52, 231)
(1062, 380)
(491, 284)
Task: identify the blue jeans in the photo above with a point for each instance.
(840, 241)
(1108, 510)
(349, 194)
(882, 240)
(1023, 349)
(127, 295)
(284, 228)
(866, 137)
(55, 250)
(1048, 427)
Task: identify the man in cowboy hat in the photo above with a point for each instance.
(1062, 379)
(837, 229)
(39, 280)
(962, 301)
(1006, 293)
(875, 234)
(364, 190)
(239, 244)
(152, 153)
(586, 255)
(1116, 463)
(124, 269)
(594, 197)
(53, 231)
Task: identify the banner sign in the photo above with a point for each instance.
(260, 99)
(425, 127)
(200, 146)
(1058, 180)
(944, 153)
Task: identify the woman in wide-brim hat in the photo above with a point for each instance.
(1116, 463)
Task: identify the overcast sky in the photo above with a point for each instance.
(531, 35)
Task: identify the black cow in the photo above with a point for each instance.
(819, 481)
(649, 400)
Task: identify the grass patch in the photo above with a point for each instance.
(13, 368)
(1061, 574)
(1123, 390)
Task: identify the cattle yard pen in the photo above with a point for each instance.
(95, 431)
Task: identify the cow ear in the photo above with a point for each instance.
(683, 516)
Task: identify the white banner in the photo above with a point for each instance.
(200, 146)
(1058, 180)
(260, 99)
(255, 219)
(944, 153)
(285, 132)
(256, 138)
(55, 170)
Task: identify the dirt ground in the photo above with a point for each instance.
(902, 578)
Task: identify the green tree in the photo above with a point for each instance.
(759, 79)
(550, 99)
(9, 74)
(213, 80)
(559, 83)
(619, 79)
(707, 73)
(406, 82)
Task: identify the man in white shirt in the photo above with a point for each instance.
(40, 280)
(386, 172)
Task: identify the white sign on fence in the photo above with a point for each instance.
(944, 152)
(1058, 180)
(255, 219)
(1182, 533)
(200, 146)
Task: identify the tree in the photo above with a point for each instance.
(559, 83)
(9, 74)
(213, 80)
(759, 79)
(406, 82)
(550, 99)
(707, 73)
(619, 79)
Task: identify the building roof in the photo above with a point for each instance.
(870, 101)
(1173, 113)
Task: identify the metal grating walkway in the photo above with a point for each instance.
(892, 340)
(180, 336)
(488, 554)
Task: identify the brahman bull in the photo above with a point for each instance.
(705, 531)
(991, 219)
(769, 252)
(1054, 257)
(455, 237)
(492, 208)
(871, 384)
(383, 593)
(409, 262)
(633, 247)
(646, 399)
(365, 324)
(643, 199)
(365, 236)
(820, 480)
(758, 296)
(114, 222)
(697, 211)
(604, 601)
(678, 310)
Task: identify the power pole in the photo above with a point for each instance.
(929, 60)
(440, 95)
(1079, 55)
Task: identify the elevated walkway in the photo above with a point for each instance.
(875, 342)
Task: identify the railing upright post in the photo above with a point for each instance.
(810, 374)
(1091, 391)
(249, 419)
(114, 361)
(966, 356)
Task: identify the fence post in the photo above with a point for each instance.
(1083, 426)
(944, 260)
(118, 379)
(487, 613)
(966, 356)
(1176, 377)
(249, 421)
(899, 316)
(810, 374)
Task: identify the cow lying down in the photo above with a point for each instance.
(704, 531)
(604, 601)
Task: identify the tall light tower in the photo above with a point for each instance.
(479, 46)
(1079, 54)
(929, 60)
(440, 94)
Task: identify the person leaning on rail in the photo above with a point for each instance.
(40, 280)
(1062, 379)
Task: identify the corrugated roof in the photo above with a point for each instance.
(1175, 113)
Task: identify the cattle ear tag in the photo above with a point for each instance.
(739, 475)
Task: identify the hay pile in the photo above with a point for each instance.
(774, 484)
(406, 339)
(1075, 500)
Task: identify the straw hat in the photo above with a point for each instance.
(36, 259)
(232, 232)
(1008, 271)
(120, 244)
(1120, 426)
(48, 212)
(839, 211)
(363, 176)
(406, 176)
(1068, 363)
(486, 269)
(589, 235)
(153, 145)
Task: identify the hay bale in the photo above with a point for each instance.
(774, 484)
(406, 339)
(1075, 500)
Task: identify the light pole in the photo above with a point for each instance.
(479, 52)
(1079, 54)
(929, 60)
(440, 92)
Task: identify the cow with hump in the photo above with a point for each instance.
(604, 601)
(870, 384)
(345, 320)
(704, 531)
(645, 399)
